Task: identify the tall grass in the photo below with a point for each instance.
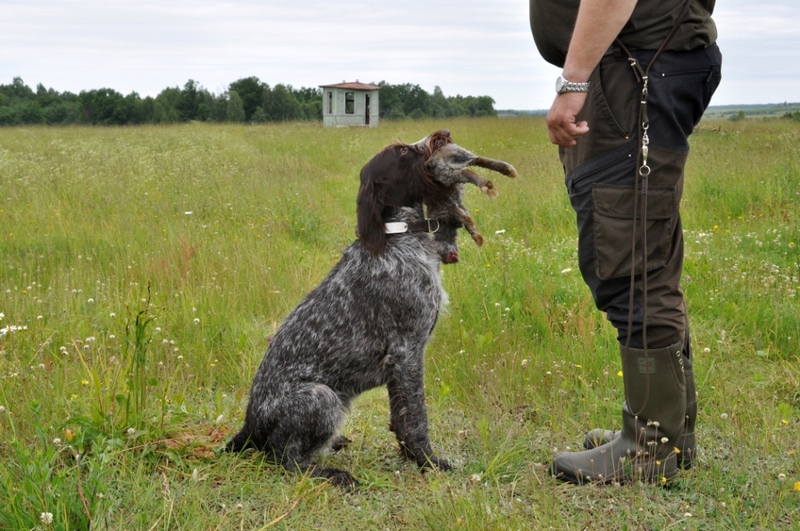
(143, 269)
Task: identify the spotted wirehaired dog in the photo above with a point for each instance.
(368, 322)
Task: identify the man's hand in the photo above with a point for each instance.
(561, 122)
(597, 24)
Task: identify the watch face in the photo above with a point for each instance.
(559, 84)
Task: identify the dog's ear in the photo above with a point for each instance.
(369, 210)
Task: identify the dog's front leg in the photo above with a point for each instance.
(409, 417)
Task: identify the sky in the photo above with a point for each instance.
(465, 47)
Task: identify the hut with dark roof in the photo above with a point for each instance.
(350, 104)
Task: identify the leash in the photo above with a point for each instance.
(641, 189)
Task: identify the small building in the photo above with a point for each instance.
(347, 104)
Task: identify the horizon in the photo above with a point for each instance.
(497, 108)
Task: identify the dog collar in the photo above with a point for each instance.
(400, 227)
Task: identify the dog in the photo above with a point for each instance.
(368, 322)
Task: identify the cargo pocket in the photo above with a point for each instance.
(612, 212)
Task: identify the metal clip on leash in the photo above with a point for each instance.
(644, 169)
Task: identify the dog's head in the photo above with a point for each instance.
(430, 172)
(397, 177)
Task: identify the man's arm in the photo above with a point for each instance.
(597, 25)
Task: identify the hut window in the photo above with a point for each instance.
(349, 102)
(330, 102)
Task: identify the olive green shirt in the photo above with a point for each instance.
(552, 22)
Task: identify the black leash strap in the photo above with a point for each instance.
(641, 188)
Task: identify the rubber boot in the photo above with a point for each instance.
(652, 424)
(686, 442)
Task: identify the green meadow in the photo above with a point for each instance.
(143, 269)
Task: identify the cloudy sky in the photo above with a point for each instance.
(464, 46)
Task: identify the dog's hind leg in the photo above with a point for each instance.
(308, 423)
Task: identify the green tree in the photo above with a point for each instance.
(107, 107)
(417, 99)
(251, 91)
(235, 111)
(17, 89)
(439, 105)
(146, 110)
(281, 105)
(189, 100)
(260, 116)
(63, 113)
(169, 99)
(391, 98)
(219, 111)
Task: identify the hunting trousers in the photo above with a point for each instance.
(600, 176)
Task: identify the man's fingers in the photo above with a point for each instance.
(561, 124)
(564, 133)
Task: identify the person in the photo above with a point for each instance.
(628, 98)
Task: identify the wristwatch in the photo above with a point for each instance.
(562, 86)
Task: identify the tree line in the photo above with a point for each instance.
(247, 100)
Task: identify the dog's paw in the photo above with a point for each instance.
(338, 442)
(337, 477)
(436, 463)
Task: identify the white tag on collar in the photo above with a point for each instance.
(395, 227)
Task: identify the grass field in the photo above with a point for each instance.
(142, 270)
